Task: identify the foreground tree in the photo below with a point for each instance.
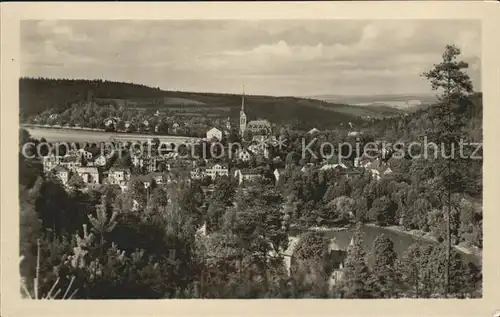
(355, 283)
(450, 78)
(384, 272)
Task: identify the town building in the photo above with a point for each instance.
(119, 176)
(313, 131)
(157, 178)
(278, 174)
(243, 175)
(244, 155)
(149, 163)
(327, 167)
(50, 161)
(109, 122)
(214, 134)
(70, 162)
(259, 149)
(100, 160)
(197, 173)
(90, 175)
(217, 170)
(259, 126)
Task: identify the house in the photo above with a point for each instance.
(70, 162)
(313, 130)
(259, 126)
(259, 138)
(118, 176)
(90, 175)
(197, 173)
(147, 162)
(87, 155)
(100, 160)
(246, 175)
(350, 173)
(50, 161)
(175, 127)
(109, 122)
(307, 168)
(146, 180)
(377, 173)
(362, 161)
(244, 155)
(340, 166)
(353, 134)
(278, 173)
(377, 168)
(62, 173)
(259, 149)
(157, 177)
(214, 133)
(217, 170)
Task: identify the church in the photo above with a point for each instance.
(255, 126)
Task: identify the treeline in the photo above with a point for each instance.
(39, 95)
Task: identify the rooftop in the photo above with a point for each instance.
(87, 170)
(60, 168)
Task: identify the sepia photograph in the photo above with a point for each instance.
(249, 158)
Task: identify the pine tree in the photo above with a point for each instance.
(449, 77)
(356, 274)
(102, 224)
(383, 267)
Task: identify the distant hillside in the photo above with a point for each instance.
(400, 101)
(40, 94)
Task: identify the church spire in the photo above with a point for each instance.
(243, 100)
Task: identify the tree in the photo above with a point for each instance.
(29, 231)
(257, 222)
(76, 182)
(384, 271)
(120, 125)
(383, 211)
(415, 217)
(310, 268)
(412, 268)
(355, 283)
(215, 212)
(342, 208)
(455, 84)
(102, 224)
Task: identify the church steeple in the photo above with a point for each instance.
(243, 116)
(243, 100)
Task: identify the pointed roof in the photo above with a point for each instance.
(243, 100)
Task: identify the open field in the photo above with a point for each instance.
(74, 135)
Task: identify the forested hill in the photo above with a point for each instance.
(40, 94)
(426, 120)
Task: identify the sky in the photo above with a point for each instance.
(268, 57)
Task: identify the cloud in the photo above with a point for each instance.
(292, 57)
